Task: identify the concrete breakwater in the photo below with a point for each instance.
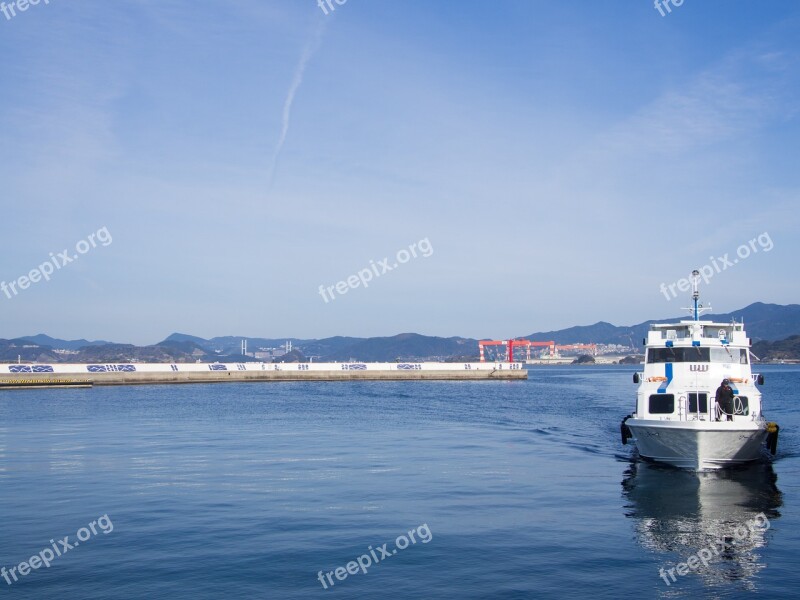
(151, 373)
(20, 382)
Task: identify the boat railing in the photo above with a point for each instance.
(684, 414)
(714, 411)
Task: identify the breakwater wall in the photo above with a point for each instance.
(151, 373)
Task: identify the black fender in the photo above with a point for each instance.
(625, 431)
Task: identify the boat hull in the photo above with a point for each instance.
(698, 445)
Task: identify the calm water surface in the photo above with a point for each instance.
(512, 490)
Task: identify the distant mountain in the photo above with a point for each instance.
(406, 346)
(26, 350)
(599, 333)
(329, 348)
(187, 347)
(169, 352)
(45, 340)
(231, 344)
(763, 322)
(769, 321)
(788, 349)
(13, 350)
(381, 349)
(183, 338)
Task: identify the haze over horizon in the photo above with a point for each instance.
(562, 161)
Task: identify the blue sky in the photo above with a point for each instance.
(562, 160)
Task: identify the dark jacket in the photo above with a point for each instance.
(725, 398)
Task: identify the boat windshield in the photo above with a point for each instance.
(697, 354)
(665, 355)
(730, 356)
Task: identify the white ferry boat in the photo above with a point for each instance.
(678, 418)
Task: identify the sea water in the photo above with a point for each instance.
(492, 489)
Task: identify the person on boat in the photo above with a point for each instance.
(725, 399)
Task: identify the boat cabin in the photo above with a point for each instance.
(684, 365)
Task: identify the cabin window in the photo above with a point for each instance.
(693, 401)
(729, 356)
(675, 355)
(742, 408)
(698, 354)
(662, 404)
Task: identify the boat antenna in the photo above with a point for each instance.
(696, 293)
(697, 309)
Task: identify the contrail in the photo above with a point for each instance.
(310, 48)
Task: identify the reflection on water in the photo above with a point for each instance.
(681, 513)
